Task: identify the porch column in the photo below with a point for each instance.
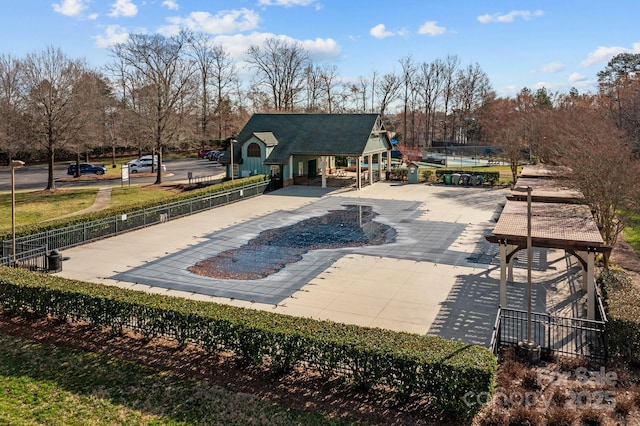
(370, 163)
(358, 173)
(503, 274)
(291, 167)
(324, 171)
(591, 285)
(389, 161)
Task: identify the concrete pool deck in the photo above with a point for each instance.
(440, 276)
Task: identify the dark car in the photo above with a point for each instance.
(395, 153)
(86, 168)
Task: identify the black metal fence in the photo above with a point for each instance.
(32, 247)
(554, 334)
(33, 257)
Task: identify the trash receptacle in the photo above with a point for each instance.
(476, 180)
(413, 173)
(447, 179)
(455, 178)
(466, 179)
(54, 261)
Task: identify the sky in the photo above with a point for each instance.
(556, 44)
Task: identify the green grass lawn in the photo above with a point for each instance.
(632, 233)
(38, 206)
(45, 384)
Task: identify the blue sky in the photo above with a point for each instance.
(557, 44)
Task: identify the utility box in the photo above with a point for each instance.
(412, 173)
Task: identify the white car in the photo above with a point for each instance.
(143, 164)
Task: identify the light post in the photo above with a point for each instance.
(13, 165)
(532, 350)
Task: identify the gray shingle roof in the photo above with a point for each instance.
(312, 134)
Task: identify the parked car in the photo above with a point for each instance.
(213, 155)
(143, 164)
(86, 168)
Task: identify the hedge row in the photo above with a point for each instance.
(622, 300)
(114, 211)
(449, 373)
(489, 177)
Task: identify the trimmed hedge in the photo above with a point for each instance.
(445, 371)
(622, 301)
(111, 211)
(488, 177)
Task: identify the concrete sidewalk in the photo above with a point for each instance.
(439, 276)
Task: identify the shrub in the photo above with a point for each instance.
(450, 373)
(558, 416)
(592, 417)
(623, 307)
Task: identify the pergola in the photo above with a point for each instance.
(558, 225)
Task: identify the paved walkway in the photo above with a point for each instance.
(439, 276)
(103, 197)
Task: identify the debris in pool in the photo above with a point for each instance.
(274, 248)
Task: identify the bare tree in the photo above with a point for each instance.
(449, 73)
(328, 81)
(619, 85)
(430, 86)
(313, 88)
(504, 128)
(472, 85)
(55, 107)
(602, 166)
(408, 73)
(388, 91)
(157, 71)
(11, 105)
(280, 67)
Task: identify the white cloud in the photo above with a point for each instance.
(322, 49)
(123, 8)
(509, 17)
(92, 16)
(432, 28)
(380, 31)
(113, 34)
(70, 7)
(286, 3)
(223, 22)
(171, 4)
(551, 67)
(575, 77)
(237, 45)
(603, 54)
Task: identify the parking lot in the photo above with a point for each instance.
(34, 176)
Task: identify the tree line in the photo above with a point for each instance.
(159, 93)
(162, 92)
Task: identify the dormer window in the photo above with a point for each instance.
(253, 150)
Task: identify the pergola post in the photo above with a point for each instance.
(591, 285)
(510, 264)
(585, 275)
(503, 274)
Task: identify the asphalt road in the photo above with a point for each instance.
(34, 176)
